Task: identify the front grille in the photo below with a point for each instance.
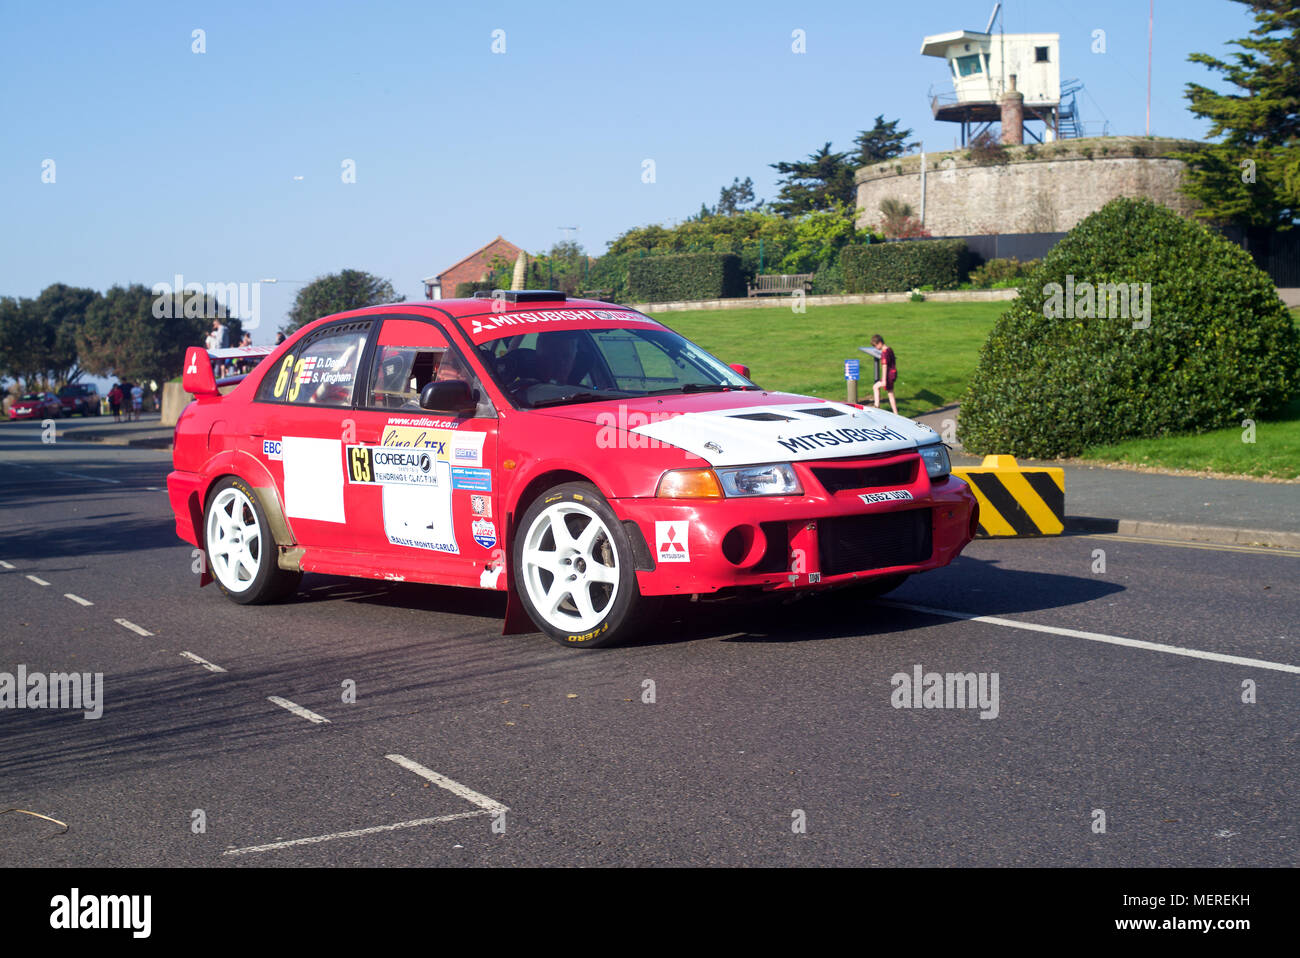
(867, 477)
(863, 543)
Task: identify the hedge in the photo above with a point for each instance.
(901, 266)
(1068, 367)
(467, 290)
(684, 276)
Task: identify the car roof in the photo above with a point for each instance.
(459, 309)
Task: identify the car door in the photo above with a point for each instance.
(298, 424)
(420, 490)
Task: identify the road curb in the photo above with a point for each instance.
(159, 442)
(1184, 532)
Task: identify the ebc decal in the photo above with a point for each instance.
(272, 449)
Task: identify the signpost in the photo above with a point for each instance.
(852, 370)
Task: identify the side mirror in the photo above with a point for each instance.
(741, 368)
(451, 395)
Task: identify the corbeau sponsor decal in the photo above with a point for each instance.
(672, 541)
(376, 465)
(836, 437)
(870, 497)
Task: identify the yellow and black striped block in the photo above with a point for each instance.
(1014, 500)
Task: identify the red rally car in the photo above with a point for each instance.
(579, 456)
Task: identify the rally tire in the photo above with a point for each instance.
(240, 550)
(574, 570)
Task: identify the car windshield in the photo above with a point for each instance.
(560, 367)
(31, 397)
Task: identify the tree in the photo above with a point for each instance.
(133, 334)
(736, 198)
(1138, 324)
(884, 141)
(62, 310)
(817, 183)
(1251, 177)
(38, 336)
(21, 340)
(337, 293)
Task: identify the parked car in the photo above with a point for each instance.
(36, 406)
(80, 398)
(579, 456)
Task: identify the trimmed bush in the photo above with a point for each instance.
(684, 276)
(1214, 343)
(1000, 272)
(467, 290)
(899, 267)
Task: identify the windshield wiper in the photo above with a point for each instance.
(572, 397)
(698, 388)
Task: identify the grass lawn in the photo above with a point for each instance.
(937, 345)
(1274, 453)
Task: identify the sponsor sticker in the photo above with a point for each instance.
(272, 449)
(376, 465)
(896, 494)
(671, 539)
(485, 532)
(476, 480)
(481, 506)
(467, 449)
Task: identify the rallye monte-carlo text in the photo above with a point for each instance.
(579, 456)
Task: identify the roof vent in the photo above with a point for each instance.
(523, 295)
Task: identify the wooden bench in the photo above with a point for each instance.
(777, 285)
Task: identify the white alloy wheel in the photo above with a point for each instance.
(234, 540)
(570, 566)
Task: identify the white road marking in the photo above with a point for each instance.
(1100, 637)
(316, 839)
(442, 781)
(77, 475)
(298, 710)
(210, 666)
(77, 599)
(5, 565)
(37, 579)
(132, 626)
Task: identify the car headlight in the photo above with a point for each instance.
(776, 479)
(937, 463)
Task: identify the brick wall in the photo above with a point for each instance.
(476, 268)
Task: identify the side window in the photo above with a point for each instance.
(410, 355)
(321, 371)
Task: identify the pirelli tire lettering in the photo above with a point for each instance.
(1016, 500)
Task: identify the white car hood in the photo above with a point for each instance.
(788, 432)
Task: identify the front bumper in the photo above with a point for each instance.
(785, 543)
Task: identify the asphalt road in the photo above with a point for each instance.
(492, 750)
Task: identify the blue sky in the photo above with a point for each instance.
(172, 162)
